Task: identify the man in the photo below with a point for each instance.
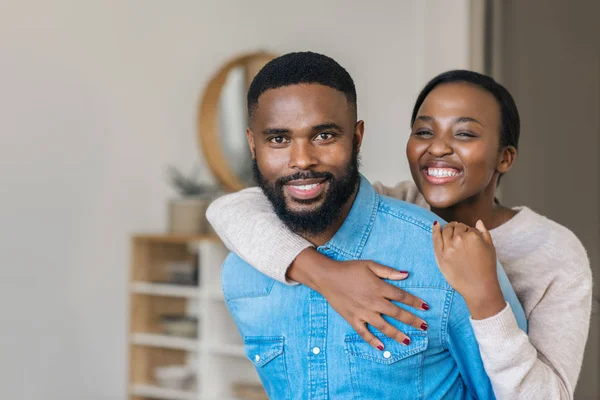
(305, 140)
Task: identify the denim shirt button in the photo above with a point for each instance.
(387, 354)
(316, 350)
(257, 358)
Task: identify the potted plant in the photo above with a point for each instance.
(187, 213)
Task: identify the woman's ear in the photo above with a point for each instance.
(506, 159)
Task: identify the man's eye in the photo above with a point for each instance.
(277, 140)
(324, 136)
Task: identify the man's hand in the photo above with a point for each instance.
(467, 258)
(355, 289)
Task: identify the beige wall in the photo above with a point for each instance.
(96, 97)
(551, 63)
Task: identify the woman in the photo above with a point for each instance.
(465, 131)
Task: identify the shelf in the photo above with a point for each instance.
(166, 289)
(156, 392)
(176, 238)
(165, 341)
(232, 350)
(213, 295)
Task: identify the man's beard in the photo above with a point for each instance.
(315, 221)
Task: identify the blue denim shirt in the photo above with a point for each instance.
(303, 349)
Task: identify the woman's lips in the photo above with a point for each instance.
(440, 176)
(305, 190)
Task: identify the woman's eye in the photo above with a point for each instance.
(425, 134)
(465, 135)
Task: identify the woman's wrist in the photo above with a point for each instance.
(308, 268)
(487, 303)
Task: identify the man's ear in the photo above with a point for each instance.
(359, 132)
(250, 137)
(506, 159)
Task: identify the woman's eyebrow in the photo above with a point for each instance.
(467, 119)
(425, 118)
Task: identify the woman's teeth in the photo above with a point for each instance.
(306, 187)
(442, 172)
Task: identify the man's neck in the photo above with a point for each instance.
(325, 236)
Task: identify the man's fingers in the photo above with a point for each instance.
(387, 272)
(367, 336)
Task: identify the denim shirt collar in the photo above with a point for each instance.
(350, 239)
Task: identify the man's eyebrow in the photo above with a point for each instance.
(328, 125)
(275, 131)
(467, 119)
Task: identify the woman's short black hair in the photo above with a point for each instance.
(510, 123)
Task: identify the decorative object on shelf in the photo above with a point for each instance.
(180, 325)
(187, 213)
(178, 377)
(183, 272)
(223, 118)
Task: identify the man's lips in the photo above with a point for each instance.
(305, 189)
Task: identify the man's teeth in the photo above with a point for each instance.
(441, 172)
(306, 187)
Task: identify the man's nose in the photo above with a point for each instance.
(302, 156)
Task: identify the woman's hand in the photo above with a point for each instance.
(467, 258)
(355, 289)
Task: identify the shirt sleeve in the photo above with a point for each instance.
(463, 347)
(547, 363)
(249, 227)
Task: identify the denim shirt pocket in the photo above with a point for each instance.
(267, 355)
(396, 363)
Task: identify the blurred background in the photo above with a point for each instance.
(97, 98)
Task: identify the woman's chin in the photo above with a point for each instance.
(439, 200)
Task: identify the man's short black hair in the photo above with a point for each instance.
(298, 68)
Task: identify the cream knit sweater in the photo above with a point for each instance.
(544, 261)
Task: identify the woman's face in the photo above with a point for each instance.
(454, 147)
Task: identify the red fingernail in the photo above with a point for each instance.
(403, 272)
(425, 306)
(380, 347)
(406, 341)
(424, 326)
(434, 223)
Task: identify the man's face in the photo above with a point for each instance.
(305, 141)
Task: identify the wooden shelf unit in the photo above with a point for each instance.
(216, 355)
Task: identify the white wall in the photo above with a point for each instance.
(96, 97)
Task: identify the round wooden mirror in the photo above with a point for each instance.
(222, 121)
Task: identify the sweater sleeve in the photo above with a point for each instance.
(546, 364)
(249, 227)
(405, 190)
